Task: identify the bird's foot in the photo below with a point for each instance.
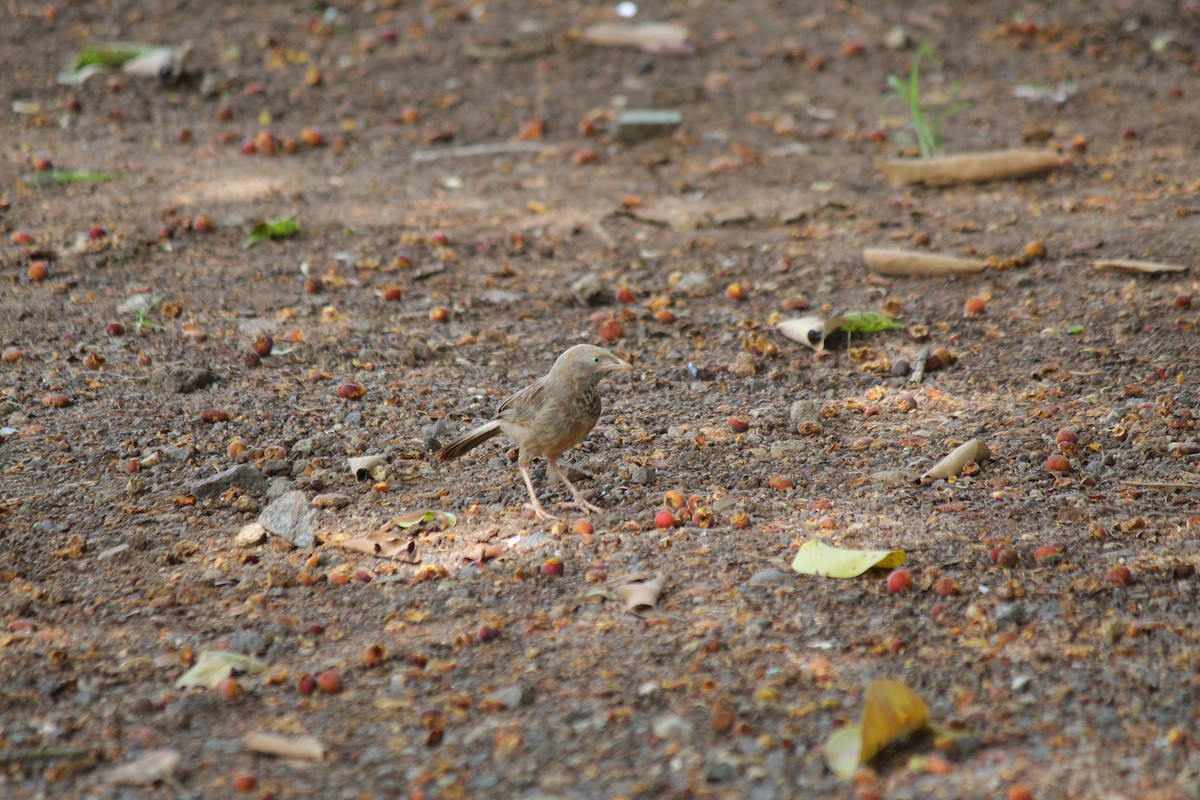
(586, 506)
(540, 512)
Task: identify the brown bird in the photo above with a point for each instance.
(549, 416)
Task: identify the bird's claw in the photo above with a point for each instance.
(539, 512)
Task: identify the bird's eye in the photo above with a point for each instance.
(596, 359)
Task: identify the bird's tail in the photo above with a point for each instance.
(469, 441)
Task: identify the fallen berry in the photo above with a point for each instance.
(306, 685)
(899, 580)
(781, 483)
(947, 587)
(1058, 463)
(610, 330)
(664, 519)
(39, 271)
(244, 783)
(1066, 437)
(674, 499)
(21, 237)
(375, 655)
(1048, 554)
(330, 681)
(583, 527)
(738, 424)
(1003, 557)
(439, 314)
(351, 390)
(975, 306)
(1120, 575)
(230, 689)
(553, 566)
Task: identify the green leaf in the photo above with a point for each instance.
(866, 322)
(1075, 330)
(278, 228)
(63, 176)
(110, 54)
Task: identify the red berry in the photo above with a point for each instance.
(1048, 554)
(625, 295)
(553, 566)
(899, 580)
(975, 306)
(664, 519)
(330, 681)
(306, 685)
(244, 783)
(738, 424)
(610, 330)
(1120, 575)
(947, 587)
(1057, 463)
(1066, 437)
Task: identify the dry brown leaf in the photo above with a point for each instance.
(970, 167)
(904, 262)
(382, 544)
(307, 748)
(651, 37)
(1126, 265)
(155, 766)
(364, 467)
(640, 595)
(953, 464)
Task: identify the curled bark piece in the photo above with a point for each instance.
(952, 465)
(307, 748)
(904, 262)
(641, 597)
(364, 467)
(970, 167)
(1126, 265)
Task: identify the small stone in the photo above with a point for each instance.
(320, 444)
(673, 728)
(1010, 613)
(804, 411)
(511, 696)
(697, 284)
(250, 535)
(278, 487)
(530, 542)
(177, 455)
(642, 475)
(720, 772)
(331, 500)
(638, 125)
(770, 576)
(592, 290)
(244, 476)
(743, 366)
(186, 380)
(291, 518)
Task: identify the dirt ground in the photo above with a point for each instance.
(440, 278)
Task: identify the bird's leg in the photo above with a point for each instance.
(533, 503)
(552, 465)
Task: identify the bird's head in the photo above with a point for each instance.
(589, 362)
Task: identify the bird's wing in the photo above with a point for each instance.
(519, 404)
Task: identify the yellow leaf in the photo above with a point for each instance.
(891, 710)
(817, 558)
